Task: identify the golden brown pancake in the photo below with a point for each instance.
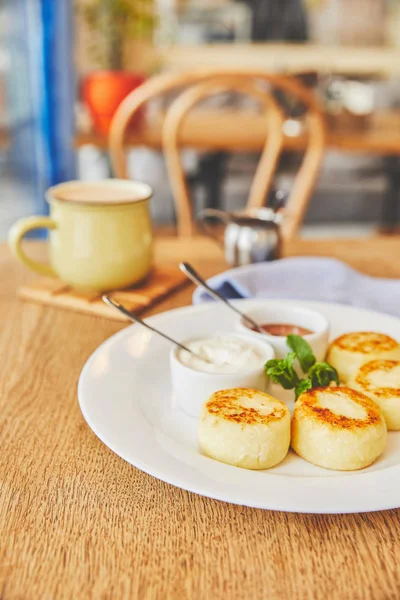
(338, 428)
(350, 351)
(380, 381)
(245, 428)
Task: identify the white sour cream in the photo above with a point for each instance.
(227, 354)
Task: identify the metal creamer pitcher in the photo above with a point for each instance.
(249, 237)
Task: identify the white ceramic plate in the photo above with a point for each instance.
(125, 396)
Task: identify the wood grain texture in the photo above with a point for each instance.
(78, 522)
(53, 292)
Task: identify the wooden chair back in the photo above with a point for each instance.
(267, 164)
(205, 82)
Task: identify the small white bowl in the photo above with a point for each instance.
(302, 317)
(191, 388)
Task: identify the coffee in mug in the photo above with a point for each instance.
(100, 235)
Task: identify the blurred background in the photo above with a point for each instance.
(65, 66)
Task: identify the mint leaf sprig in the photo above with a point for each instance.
(318, 374)
(321, 374)
(282, 371)
(302, 350)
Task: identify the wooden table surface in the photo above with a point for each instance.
(78, 522)
(244, 131)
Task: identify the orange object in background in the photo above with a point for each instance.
(103, 92)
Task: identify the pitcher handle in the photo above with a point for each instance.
(216, 214)
(17, 232)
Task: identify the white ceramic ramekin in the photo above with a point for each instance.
(192, 388)
(303, 317)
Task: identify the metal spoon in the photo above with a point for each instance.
(193, 275)
(132, 317)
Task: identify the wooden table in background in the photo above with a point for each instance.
(215, 130)
(288, 58)
(78, 522)
(212, 129)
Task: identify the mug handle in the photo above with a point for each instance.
(16, 234)
(212, 213)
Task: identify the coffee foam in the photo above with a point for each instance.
(107, 192)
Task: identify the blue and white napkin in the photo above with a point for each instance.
(307, 278)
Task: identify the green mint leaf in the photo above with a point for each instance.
(289, 359)
(281, 371)
(322, 374)
(302, 351)
(274, 362)
(303, 386)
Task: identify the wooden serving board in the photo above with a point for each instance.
(54, 292)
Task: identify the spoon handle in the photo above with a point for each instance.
(132, 317)
(193, 275)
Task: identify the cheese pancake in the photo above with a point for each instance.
(338, 428)
(380, 381)
(245, 428)
(350, 351)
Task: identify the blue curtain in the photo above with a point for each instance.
(42, 93)
(58, 89)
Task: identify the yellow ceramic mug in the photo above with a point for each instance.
(100, 234)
